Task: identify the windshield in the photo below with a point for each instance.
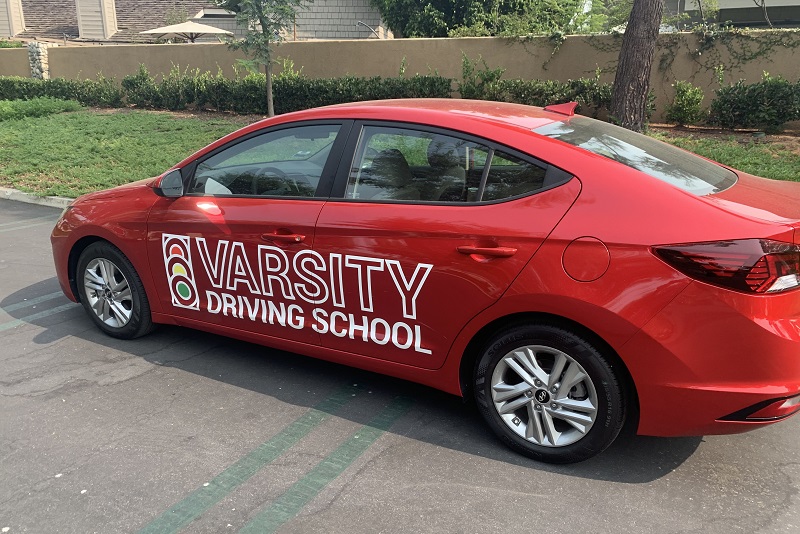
(660, 160)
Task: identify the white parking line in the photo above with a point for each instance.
(28, 318)
(31, 302)
(33, 219)
(14, 228)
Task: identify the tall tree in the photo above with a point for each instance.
(632, 80)
(266, 21)
(438, 18)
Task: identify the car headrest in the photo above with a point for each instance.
(443, 153)
(391, 165)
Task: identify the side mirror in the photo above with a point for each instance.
(170, 185)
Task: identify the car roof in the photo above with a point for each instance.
(436, 110)
(457, 114)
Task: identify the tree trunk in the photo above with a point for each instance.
(632, 81)
(270, 106)
(763, 5)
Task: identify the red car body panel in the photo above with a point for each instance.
(238, 222)
(433, 236)
(583, 253)
(117, 215)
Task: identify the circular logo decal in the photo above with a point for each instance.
(542, 396)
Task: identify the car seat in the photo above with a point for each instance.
(447, 164)
(392, 174)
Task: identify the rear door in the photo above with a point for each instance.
(225, 252)
(430, 228)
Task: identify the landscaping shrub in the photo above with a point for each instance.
(102, 92)
(687, 107)
(216, 91)
(179, 89)
(6, 43)
(766, 105)
(36, 107)
(18, 88)
(480, 82)
(141, 90)
(292, 91)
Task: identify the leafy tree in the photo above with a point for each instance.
(176, 15)
(709, 10)
(440, 18)
(265, 20)
(632, 80)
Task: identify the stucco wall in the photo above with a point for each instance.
(118, 61)
(677, 58)
(14, 62)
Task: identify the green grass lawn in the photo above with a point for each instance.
(771, 160)
(69, 154)
(74, 153)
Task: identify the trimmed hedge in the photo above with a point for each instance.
(102, 92)
(766, 105)
(243, 94)
(291, 92)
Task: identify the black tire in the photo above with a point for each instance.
(536, 409)
(129, 316)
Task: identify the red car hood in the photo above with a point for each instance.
(119, 190)
(761, 198)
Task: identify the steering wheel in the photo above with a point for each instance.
(282, 177)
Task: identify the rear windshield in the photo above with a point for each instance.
(659, 160)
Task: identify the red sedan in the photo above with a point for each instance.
(568, 274)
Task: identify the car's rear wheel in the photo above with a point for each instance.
(549, 394)
(112, 293)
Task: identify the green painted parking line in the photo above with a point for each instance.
(193, 506)
(295, 498)
(31, 302)
(24, 221)
(28, 318)
(31, 225)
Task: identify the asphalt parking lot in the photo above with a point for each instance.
(183, 431)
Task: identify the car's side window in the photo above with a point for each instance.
(285, 162)
(402, 164)
(510, 176)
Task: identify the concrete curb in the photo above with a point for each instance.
(53, 202)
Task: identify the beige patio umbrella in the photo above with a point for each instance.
(186, 30)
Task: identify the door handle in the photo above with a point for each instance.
(497, 252)
(284, 238)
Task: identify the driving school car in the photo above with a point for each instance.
(567, 274)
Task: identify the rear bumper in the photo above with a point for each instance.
(712, 358)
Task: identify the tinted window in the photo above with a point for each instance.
(413, 165)
(510, 176)
(286, 162)
(659, 160)
(404, 164)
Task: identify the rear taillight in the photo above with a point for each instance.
(748, 265)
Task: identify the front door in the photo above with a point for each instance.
(231, 245)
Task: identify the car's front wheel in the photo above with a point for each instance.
(112, 293)
(549, 394)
